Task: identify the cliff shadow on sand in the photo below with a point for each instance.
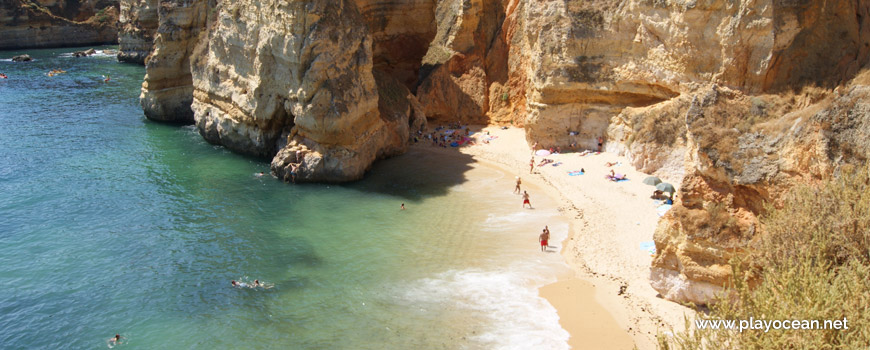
(421, 172)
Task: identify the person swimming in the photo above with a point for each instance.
(3, 76)
(114, 340)
(239, 284)
(106, 78)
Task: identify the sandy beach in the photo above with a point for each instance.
(610, 221)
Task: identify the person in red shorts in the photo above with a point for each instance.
(526, 200)
(544, 239)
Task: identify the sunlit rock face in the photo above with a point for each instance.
(167, 92)
(137, 26)
(280, 77)
(55, 23)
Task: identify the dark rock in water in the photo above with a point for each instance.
(22, 58)
(84, 53)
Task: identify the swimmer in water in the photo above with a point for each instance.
(403, 206)
(239, 284)
(106, 78)
(115, 340)
(256, 284)
(3, 76)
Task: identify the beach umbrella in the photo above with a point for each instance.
(652, 181)
(542, 153)
(666, 187)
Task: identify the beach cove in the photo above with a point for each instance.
(119, 225)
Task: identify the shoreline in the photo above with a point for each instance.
(608, 221)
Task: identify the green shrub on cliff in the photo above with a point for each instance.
(813, 263)
(101, 16)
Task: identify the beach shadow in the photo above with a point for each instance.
(417, 174)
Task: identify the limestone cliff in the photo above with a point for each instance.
(138, 24)
(297, 76)
(167, 92)
(53, 23)
(401, 32)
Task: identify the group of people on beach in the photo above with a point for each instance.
(453, 135)
(545, 236)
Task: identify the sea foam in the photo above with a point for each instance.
(516, 316)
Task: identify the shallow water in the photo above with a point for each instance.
(111, 224)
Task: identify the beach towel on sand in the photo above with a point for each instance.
(649, 247)
(575, 173)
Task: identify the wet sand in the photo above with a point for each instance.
(591, 326)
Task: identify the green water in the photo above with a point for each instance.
(111, 224)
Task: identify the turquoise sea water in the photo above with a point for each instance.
(111, 224)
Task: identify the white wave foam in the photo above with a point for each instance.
(98, 53)
(508, 299)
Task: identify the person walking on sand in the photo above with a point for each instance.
(544, 238)
(526, 200)
(532, 165)
(519, 182)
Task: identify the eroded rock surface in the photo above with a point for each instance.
(138, 24)
(167, 92)
(54, 23)
(303, 81)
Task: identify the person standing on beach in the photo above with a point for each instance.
(519, 182)
(532, 165)
(544, 238)
(526, 200)
(600, 142)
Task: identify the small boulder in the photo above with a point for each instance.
(84, 53)
(22, 58)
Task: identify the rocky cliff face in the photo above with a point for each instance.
(167, 92)
(55, 23)
(138, 24)
(300, 80)
(401, 32)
